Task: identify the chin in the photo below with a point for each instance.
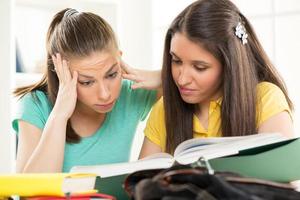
(103, 110)
(190, 100)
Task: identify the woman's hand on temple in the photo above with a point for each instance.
(145, 79)
(67, 93)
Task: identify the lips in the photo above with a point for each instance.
(105, 106)
(185, 91)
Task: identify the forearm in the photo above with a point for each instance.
(149, 148)
(49, 154)
(280, 123)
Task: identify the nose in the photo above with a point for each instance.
(184, 77)
(104, 92)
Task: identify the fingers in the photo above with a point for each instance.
(126, 68)
(131, 77)
(61, 68)
(138, 82)
(56, 68)
(66, 71)
(75, 77)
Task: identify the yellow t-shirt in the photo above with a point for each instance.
(269, 95)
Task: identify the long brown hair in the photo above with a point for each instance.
(72, 34)
(212, 23)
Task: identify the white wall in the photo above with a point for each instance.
(287, 49)
(135, 32)
(7, 61)
(135, 35)
(33, 18)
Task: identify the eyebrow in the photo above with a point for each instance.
(111, 68)
(108, 71)
(173, 54)
(86, 76)
(197, 62)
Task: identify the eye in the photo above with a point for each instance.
(112, 75)
(86, 83)
(200, 68)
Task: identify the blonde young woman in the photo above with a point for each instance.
(82, 112)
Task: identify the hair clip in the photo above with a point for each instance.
(240, 32)
(70, 12)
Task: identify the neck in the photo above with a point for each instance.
(86, 121)
(202, 110)
(86, 112)
(203, 107)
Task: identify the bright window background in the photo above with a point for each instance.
(140, 26)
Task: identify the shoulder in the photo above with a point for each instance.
(159, 106)
(136, 97)
(34, 98)
(34, 107)
(126, 85)
(157, 114)
(267, 91)
(270, 101)
(155, 129)
(126, 90)
(264, 88)
(138, 101)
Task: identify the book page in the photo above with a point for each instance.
(206, 153)
(158, 155)
(196, 149)
(78, 184)
(226, 147)
(201, 143)
(256, 140)
(296, 185)
(127, 167)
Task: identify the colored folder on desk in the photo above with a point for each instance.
(52, 184)
(275, 162)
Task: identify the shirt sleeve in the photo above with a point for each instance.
(155, 129)
(29, 109)
(272, 101)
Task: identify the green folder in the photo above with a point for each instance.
(276, 162)
(113, 186)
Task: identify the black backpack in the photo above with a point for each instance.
(186, 182)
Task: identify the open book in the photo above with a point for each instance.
(187, 152)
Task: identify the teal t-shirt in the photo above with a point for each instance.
(111, 143)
